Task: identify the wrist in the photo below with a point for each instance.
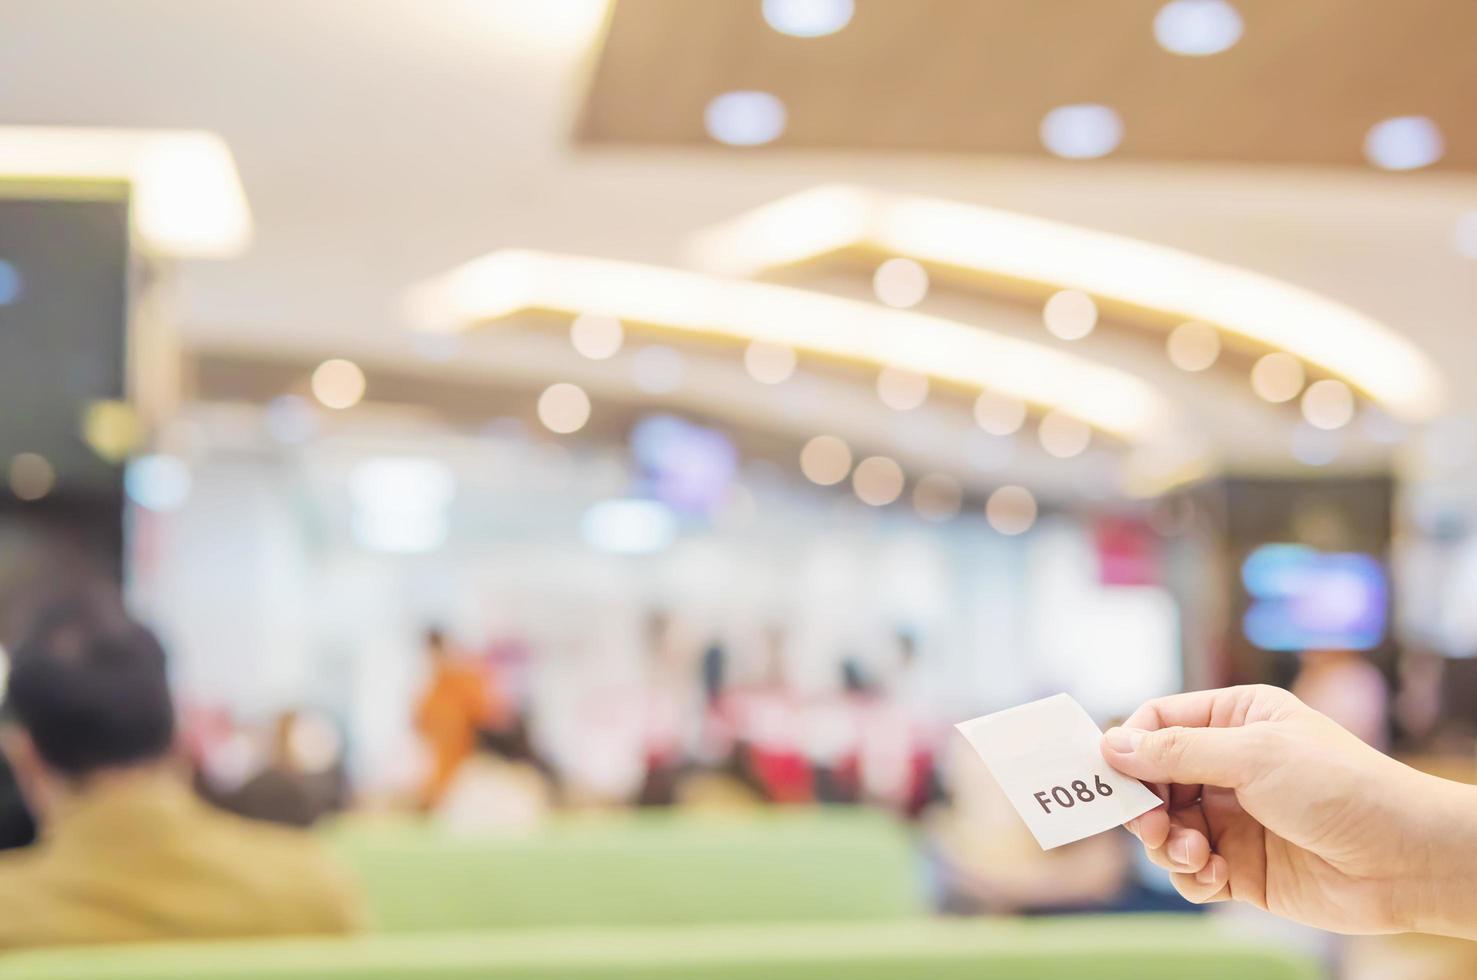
(1436, 894)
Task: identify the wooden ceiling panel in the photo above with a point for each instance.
(1303, 85)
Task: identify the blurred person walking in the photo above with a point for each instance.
(126, 851)
(456, 705)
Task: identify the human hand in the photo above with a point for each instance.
(1271, 803)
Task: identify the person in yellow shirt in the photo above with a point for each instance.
(126, 852)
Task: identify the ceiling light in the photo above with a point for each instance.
(186, 196)
(159, 483)
(597, 337)
(900, 283)
(10, 283)
(338, 384)
(31, 476)
(1197, 27)
(1039, 252)
(1277, 377)
(1328, 404)
(1081, 132)
(1404, 143)
(878, 481)
(999, 415)
(900, 389)
(564, 408)
(1070, 314)
(937, 497)
(808, 18)
(1193, 346)
(658, 370)
(769, 363)
(745, 118)
(504, 283)
(629, 527)
(825, 460)
(1011, 510)
(1063, 436)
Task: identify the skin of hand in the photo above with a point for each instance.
(1271, 803)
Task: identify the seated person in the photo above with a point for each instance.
(126, 851)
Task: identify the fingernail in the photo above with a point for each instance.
(1179, 851)
(1208, 875)
(1124, 739)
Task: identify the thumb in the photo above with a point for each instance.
(1229, 757)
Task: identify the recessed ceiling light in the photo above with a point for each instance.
(808, 18)
(1081, 132)
(1197, 27)
(1277, 377)
(596, 337)
(564, 408)
(900, 283)
(825, 460)
(1011, 510)
(878, 481)
(1328, 404)
(1070, 314)
(1404, 143)
(1193, 346)
(745, 118)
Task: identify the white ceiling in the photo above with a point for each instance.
(382, 141)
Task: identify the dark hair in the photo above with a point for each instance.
(90, 687)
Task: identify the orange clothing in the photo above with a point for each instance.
(450, 713)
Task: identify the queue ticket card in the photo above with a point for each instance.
(1048, 759)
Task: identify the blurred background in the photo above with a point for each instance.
(573, 446)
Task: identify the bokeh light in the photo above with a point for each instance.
(937, 497)
(1328, 404)
(769, 363)
(900, 389)
(825, 460)
(1070, 314)
(1011, 510)
(564, 408)
(597, 337)
(1063, 435)
(1081, 132)
(745, 118)
(1404, 143)
(1193, 346)
(878, 481)
(1277, 377)
(900, 283)
(808, 18)
(159, 482)
(112, 429)
(338, 383)
(999, 415)
(1197, 27)
(31, 476)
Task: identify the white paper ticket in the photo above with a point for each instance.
(1046, 756)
